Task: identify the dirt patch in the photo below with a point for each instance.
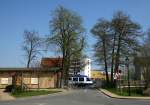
(5, 96)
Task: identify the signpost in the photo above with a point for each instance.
(117, 77)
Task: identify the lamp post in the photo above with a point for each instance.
(127, 65)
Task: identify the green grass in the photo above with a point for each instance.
(124, 92)
(33, 93)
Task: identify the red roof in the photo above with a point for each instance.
(51, 62)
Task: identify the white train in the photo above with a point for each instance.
(80, 80)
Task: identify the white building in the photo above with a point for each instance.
(86, 68)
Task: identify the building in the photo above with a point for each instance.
(51, 62)
(78, 66)
(30, 77)
(86, 69)
(57, 62)
(48, 75)
(97, 74)
(142, 65)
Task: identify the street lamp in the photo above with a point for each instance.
(127, 65)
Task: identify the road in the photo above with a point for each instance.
(76, 97)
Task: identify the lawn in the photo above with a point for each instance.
(33, 93)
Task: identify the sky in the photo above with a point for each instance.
(19, 15)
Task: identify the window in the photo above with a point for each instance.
(88, 79)
(34, 80)
(75, 79)
(4, 80)
(26, 80)
(88, 62)
(81, 79)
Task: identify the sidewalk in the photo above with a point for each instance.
(112, 95)
(5, 96)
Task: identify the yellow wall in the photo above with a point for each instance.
(96, 74)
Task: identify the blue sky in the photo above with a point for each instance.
(19, 15)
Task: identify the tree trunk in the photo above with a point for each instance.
(112, 62)
(63, 69)
(22, 81)
(118, 55)
(105, 61)
(28, 63)
(29, 56)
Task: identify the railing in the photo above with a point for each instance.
(134, 84)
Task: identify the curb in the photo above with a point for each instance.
(112, 95)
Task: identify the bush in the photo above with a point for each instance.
(139, 91)
(13, 88)
(136, 91)
(108, 85)
(147, 92)
(9, 88)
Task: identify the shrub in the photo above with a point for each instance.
(14, 88)
(147, 92)
(9, 88)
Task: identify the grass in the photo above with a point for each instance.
(33, 93)
(124, 92)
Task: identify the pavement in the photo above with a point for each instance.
(112, 95)
(5, 96)
(76, 97)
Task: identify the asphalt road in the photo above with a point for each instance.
(76, 97)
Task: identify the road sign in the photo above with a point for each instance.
(117, 75)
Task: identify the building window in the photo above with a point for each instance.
(34, 80)
(4, 80)
(26, 80)
(88, 62)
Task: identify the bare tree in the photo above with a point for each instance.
(115, 40)
(143, 60)
(126, 33)
(67, 35)
(31, 46)
(102, 31)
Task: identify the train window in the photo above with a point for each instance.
(75, 79)
(88, 79)
(81, 79)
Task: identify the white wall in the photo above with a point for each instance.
(87, 67)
